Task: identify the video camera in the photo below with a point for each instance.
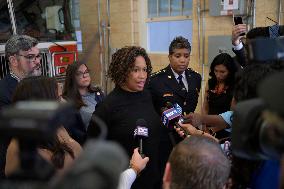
(32, 122)
(37, 120)
(258, 124)
(266, 49)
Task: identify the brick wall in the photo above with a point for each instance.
(127, 20)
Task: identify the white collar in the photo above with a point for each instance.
(176, 74)
(15, 76)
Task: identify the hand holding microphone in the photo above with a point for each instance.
(194, 119)
(191, 130)
(172, 117)
(137, 162)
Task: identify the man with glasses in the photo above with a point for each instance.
(24, 61)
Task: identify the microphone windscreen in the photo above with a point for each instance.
(169, 105)
(141, 122)
(163, 109)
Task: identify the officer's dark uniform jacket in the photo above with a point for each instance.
(165, 88)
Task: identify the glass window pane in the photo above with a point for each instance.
(160, 34)
(152, 8)
(176, 7)
(187, 8)
(164, 8)
(5, 24)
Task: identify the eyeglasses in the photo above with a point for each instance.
(31, 57)
(83, 74)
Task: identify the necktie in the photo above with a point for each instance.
(181, 84)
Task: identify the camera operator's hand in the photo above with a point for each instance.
(194, 119)
(237, 30)
(137, 163)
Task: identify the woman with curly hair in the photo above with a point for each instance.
(78, 88)
(121, 110)
(219, 90)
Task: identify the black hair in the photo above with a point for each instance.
(179, 43)
(226, 60)
(44, 88)
(71, 89)
(122, 63)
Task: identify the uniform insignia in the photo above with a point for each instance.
(168, 94)
(189, 69)
(169, 76)
(157, 73)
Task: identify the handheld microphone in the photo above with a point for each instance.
(141, 132)
(172, 116)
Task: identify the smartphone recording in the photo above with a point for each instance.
(238, 20)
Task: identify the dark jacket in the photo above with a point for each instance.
(7, 87)
(165, 88)
(241, 56)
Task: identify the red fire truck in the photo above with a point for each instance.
(51, 22)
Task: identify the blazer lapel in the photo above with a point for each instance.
(190, 82)
(173, 84)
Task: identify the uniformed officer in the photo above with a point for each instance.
(175, 84)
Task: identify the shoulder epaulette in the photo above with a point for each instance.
(158, 73)
(191, 70)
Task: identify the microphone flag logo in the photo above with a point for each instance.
(141, 131)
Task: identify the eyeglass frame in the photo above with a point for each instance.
(82, 74)
(32, 57)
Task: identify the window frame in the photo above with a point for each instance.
(158, 18)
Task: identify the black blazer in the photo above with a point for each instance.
(241, 56)
(7, 86)
(165, 88)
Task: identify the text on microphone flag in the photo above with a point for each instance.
(178, 108)
(142, 131)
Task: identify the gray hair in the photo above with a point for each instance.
(19, 42)
(198, 162)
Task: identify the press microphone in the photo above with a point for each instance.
(172, 117)
(141, 132)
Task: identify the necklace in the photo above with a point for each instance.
(220, 88)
